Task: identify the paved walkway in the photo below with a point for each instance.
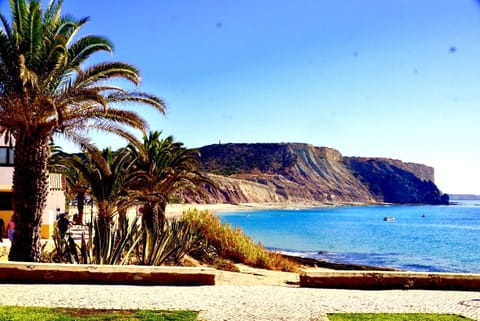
(243, 303)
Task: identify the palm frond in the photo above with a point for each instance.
(52, 11)
(115, 129)
(106, 71)
(83, 48)
(78, 138)
(33, 31)
(139, 97)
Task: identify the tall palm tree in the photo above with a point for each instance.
(47, 88)
(166, 167)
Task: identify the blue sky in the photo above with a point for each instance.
(397, 79)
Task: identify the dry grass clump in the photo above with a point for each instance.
(232, 244)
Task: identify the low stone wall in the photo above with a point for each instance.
(376, 280)
(104, 274)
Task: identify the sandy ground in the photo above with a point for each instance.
(176, 210)
(251, 276)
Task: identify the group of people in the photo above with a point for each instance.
(10, 229)
(63, 224)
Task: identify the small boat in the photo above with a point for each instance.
(389, 218)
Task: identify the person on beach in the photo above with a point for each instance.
(63, 224)
(10, 229)
(58, 213)
(2, 229)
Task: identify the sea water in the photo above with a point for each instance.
(420, 238)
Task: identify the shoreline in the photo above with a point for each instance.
(316, 263)
(176, 210)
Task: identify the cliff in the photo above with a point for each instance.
(302, 173)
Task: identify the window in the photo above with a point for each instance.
(6, 156)
(5, 201)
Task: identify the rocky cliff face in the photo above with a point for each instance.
(302, 173)
(393, 181)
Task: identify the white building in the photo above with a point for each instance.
(56, 195)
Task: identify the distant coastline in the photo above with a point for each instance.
(459, 197)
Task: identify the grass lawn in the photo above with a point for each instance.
(394, 317)
(61, 314)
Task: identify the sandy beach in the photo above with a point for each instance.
(176, 210)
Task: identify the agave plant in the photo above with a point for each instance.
(65, 249)
(187, 238)
(117, 244)
(117, 247)
(178, 238)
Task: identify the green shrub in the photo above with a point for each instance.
(232, 244)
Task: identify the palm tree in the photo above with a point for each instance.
(108, 175)
(46, 88)
(76, 188)
(75, 184)
(164, 167)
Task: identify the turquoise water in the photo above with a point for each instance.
(421, 238)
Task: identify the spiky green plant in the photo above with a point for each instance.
(187, 238)
(65, 249)
(177, 239)
(116, 245)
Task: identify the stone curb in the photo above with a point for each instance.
(386, 280)
(21, 272)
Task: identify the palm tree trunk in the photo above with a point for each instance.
(153, 215)
(162, 206)
(30, 191)
(80, 205)
(122, 218)
(148, 217)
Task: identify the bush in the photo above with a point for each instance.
(232, 244)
